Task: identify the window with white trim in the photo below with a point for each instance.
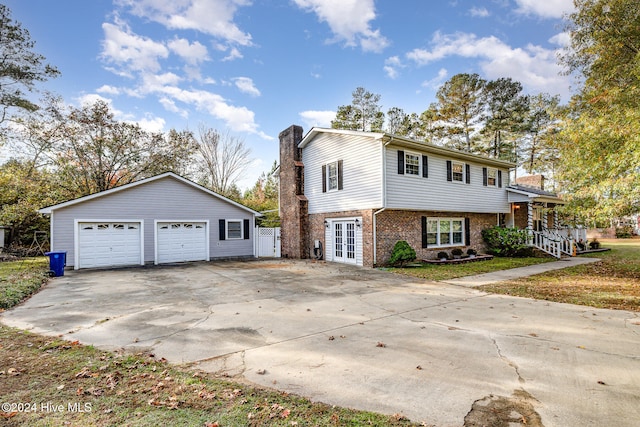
(457, 171)
(492, 177)
(411, 164)
(234, 229)
(445, 232)
(332, 176)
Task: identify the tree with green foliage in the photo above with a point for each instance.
(460, 109)
(20, 66)
(263, 197)
(23, 190)
(95, 152)
(542, 124)
(364, 113)
(505, 121)
(600, 140)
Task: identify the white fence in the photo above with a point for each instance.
(268, 242)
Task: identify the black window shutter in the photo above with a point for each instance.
(484, 176)
(424, 232)
(221, 225)
(467, 231)
(246, 229)
(425, 167)
(400, 162)
(500, 179)
(449, 174)
(468, 174)
(324, 178)
(339, 174)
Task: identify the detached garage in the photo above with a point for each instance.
(163, 219)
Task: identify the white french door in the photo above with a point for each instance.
(344, 241)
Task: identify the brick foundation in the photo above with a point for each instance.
(407, 225)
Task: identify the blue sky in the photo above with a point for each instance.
(253, 68)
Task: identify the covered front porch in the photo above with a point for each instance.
(535, 210)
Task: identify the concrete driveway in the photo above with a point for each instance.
(359, 338)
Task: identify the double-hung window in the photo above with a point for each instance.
(457, 171)
(411, 164)
(445, 231)
(492, 177)
(332, 176)
(234, 229)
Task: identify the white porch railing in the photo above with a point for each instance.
(545, 243)
(554, 242)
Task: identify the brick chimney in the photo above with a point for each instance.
(533, 181)
(294, 212)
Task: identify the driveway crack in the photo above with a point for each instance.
(508, 361)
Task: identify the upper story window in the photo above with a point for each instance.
(457, 171)
(412, 164)
(492, 177)
(332, 176)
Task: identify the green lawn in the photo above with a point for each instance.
(451, 271)
(20, 279)
(614, 282)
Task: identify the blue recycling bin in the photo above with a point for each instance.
(57, 261)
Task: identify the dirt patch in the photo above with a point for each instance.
(500, 411)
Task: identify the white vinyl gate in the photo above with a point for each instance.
(268, 242)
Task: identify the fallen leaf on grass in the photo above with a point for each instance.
(8, 415)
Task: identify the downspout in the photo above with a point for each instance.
(384, 200)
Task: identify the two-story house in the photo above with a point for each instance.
(349, 196)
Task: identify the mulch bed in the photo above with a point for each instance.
(459, 260)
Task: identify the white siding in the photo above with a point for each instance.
(435, 193)
(362, 173)
(165, 199)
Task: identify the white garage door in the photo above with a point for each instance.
(108, 244)
(181, 241)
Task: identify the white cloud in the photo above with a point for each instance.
(239, 119)
(109, 90)
(233, 54)
(122, 47)
(349, 21)
(479, 12)
(534, 66)
(391, 66)
(214, 17)
(561, 39)
(245, 84)
(193, 53)
(435, 82)
(151, 124)
(545, 8)
(318, 118)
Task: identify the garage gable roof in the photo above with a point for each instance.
(50, 209)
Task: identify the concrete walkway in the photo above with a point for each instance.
(517, 273)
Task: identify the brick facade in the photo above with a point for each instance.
(393, 226)
(317, 231)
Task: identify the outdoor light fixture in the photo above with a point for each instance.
(358, 223)
(326, 223)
